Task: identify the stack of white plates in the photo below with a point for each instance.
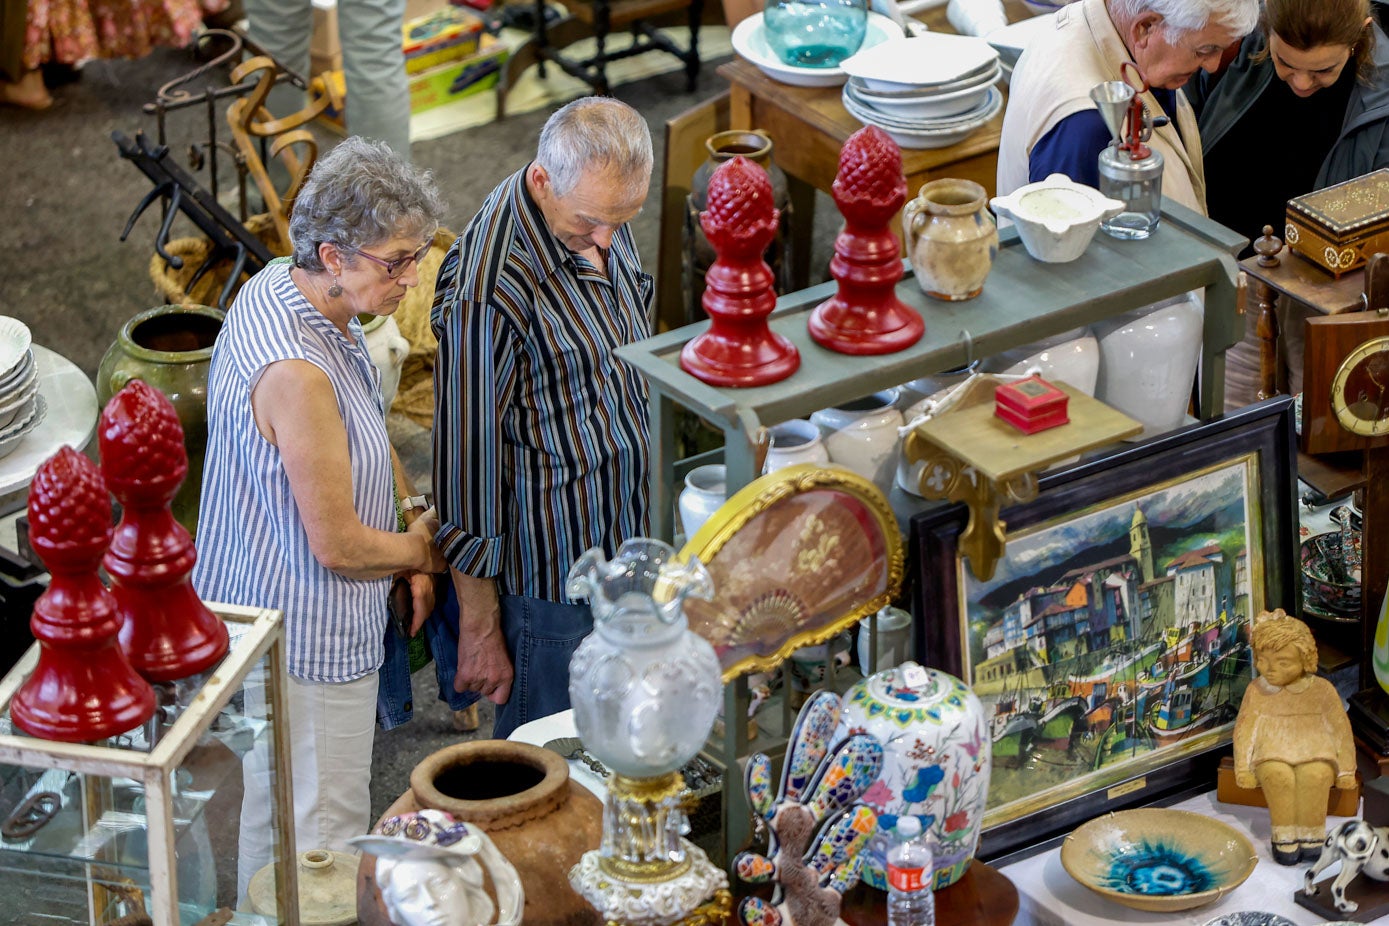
(21, 406)
(928, 91)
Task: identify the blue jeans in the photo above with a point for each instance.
(540, 637)
(394, 699)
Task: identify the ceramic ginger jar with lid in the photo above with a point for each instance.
(936, 763)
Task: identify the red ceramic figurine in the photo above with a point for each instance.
(83, 688)
(865, 316)
(166, 630)
(739, 349)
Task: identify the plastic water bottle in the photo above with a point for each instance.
(909, 866)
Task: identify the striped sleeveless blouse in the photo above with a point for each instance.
(252, 547)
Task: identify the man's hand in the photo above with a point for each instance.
(483, 663)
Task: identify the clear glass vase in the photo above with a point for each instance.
(815, 33)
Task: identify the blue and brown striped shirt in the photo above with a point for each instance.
(540, 433)
(252, 547)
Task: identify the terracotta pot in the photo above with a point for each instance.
(169, 347)
(951, 238)
(521, 796)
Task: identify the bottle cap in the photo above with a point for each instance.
(908, 826)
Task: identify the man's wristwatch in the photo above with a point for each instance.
(414, 503)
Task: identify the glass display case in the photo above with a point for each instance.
(131, 828)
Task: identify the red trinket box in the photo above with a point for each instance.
(1031, 405)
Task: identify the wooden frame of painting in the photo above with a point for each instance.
(1111, 647)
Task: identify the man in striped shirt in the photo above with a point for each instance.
(540, 433)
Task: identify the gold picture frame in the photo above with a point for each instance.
(797, 557)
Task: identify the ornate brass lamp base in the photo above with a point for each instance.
(691, 893)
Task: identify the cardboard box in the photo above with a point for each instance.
(441, 37)
(1341, 226)
(455, 80)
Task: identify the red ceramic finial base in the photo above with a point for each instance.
(865, 316)
(166, 631)
(83, 688)
(739, 349)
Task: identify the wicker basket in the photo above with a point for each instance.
(173, 284)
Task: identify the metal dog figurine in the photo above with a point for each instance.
(1360, 848)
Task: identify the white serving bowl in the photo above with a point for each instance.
(1012, 40)
(1056, 217)
(921, 61)
(957, 102)
(750, 40)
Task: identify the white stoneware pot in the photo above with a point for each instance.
(909, 394)
(890, 635)
(388, 350)
(705, 490)
(862, 436)
(792, 442)
(936, 763)
(1072, 358)
(1148, 362)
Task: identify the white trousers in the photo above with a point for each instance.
(373, 62)
(331, 728)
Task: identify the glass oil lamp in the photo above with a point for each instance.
(645, 691)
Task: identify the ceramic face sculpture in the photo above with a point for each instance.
(430, 869)
(936, 762)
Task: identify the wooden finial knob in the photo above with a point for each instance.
(1267, 247)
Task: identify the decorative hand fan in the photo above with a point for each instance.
(796, 556)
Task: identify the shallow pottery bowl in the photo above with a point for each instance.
(1158, 859)
(1326, 583)
(1056, 217)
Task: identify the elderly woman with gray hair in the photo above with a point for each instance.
(302, 490)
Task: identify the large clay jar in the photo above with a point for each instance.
(699, 255)
(936, 763)
(522, 797)
(951, 238)
(170, 348)
(1148, 362)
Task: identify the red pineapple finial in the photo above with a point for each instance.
(865, 316)
(82, 688)
(739, 349)
(166, 631)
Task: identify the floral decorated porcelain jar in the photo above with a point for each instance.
(935, 763)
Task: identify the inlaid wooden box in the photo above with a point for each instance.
(1342, 226)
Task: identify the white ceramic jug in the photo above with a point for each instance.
(862, 435)
(705, 490)
(792, 442)
(388, 350)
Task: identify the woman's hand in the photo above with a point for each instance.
(426, 526)
(422, 596)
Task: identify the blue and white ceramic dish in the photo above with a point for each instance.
(1158, 859)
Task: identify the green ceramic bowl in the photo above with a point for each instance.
(1157, 859)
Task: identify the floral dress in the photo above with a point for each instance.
(74, 31)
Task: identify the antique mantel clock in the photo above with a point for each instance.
(1360, 389)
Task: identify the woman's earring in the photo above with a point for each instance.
(336, 289)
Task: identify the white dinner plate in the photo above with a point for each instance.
(922, 61)
(11, 437)
(750, 41)
(14, 343)
(945, 107)
(1010, 41)
(926, 135)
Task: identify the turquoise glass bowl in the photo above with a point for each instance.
(815, 33)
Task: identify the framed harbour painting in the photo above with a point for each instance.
(1111, 646)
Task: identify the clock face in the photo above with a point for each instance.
(1360, 389)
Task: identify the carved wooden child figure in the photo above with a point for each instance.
(1292, 737)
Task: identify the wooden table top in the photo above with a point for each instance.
(1306, 282)
(822, 109)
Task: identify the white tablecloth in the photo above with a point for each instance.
(1048, 896)
(558, 726)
